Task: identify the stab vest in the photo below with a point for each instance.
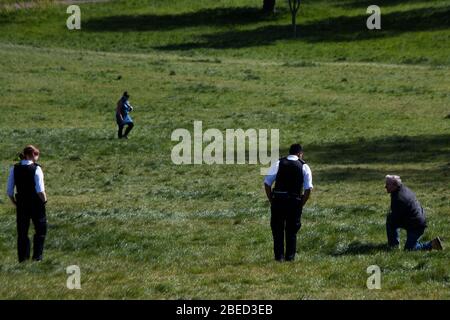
(290, 176)
(24, 180)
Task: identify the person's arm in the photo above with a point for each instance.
(130, 108)
(39, 182)
(306, 197)
(307, 183)
(268, 192)
(43, 196)
(118, 110)
(270, 179)
(10, 187)
(13, 200)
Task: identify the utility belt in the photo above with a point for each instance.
(284, 195)
(28, 198)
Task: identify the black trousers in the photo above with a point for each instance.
(127, 130)
(120, 133)
(285, 222)
(30, 211)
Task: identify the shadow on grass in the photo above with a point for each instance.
(422, 177)
(387, 150)
(205, 17)
(335, 29)
(393, 150)
(381, 3)
(357, 248)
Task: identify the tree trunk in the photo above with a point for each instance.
(294, 24)
(269, 6)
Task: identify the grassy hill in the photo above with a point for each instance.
(363, 105)
(414, 32)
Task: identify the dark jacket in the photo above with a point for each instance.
(406, 211)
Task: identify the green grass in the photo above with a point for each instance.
(140, 227)
(413, 32)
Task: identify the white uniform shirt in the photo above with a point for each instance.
(272, 174)
(38, 179)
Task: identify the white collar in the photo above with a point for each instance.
(26, 162)
(292, 157)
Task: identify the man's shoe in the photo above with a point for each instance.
(290, 259)
(37, 258)
(436, 244)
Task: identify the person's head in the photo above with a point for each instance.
(126, 95)
(296, 150)
(393, 183)
(30, 153)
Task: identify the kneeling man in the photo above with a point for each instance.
(406, 213)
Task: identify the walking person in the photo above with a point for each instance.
(123, 117)
(291, 175)
(30, 199)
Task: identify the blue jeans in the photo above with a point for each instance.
(412, 238)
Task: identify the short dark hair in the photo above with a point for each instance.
(125, 94)
(295, 148)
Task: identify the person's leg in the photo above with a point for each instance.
(119, 125)
(129, 127)
(119, 132)
(412, 240)
(23, 242)
(293, 225)
(40, 225)
(277, 225)
(393, 235)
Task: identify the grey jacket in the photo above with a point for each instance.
(406, 211)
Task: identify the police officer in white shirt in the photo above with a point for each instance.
(291, 175)
(28, 179)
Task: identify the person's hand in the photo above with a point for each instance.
(13, 201)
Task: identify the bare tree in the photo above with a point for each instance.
(294, 5)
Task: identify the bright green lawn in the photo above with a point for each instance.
(140, 227)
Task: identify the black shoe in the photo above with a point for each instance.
(290, 258)
(436, 244)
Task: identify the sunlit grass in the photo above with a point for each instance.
(141, 227)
